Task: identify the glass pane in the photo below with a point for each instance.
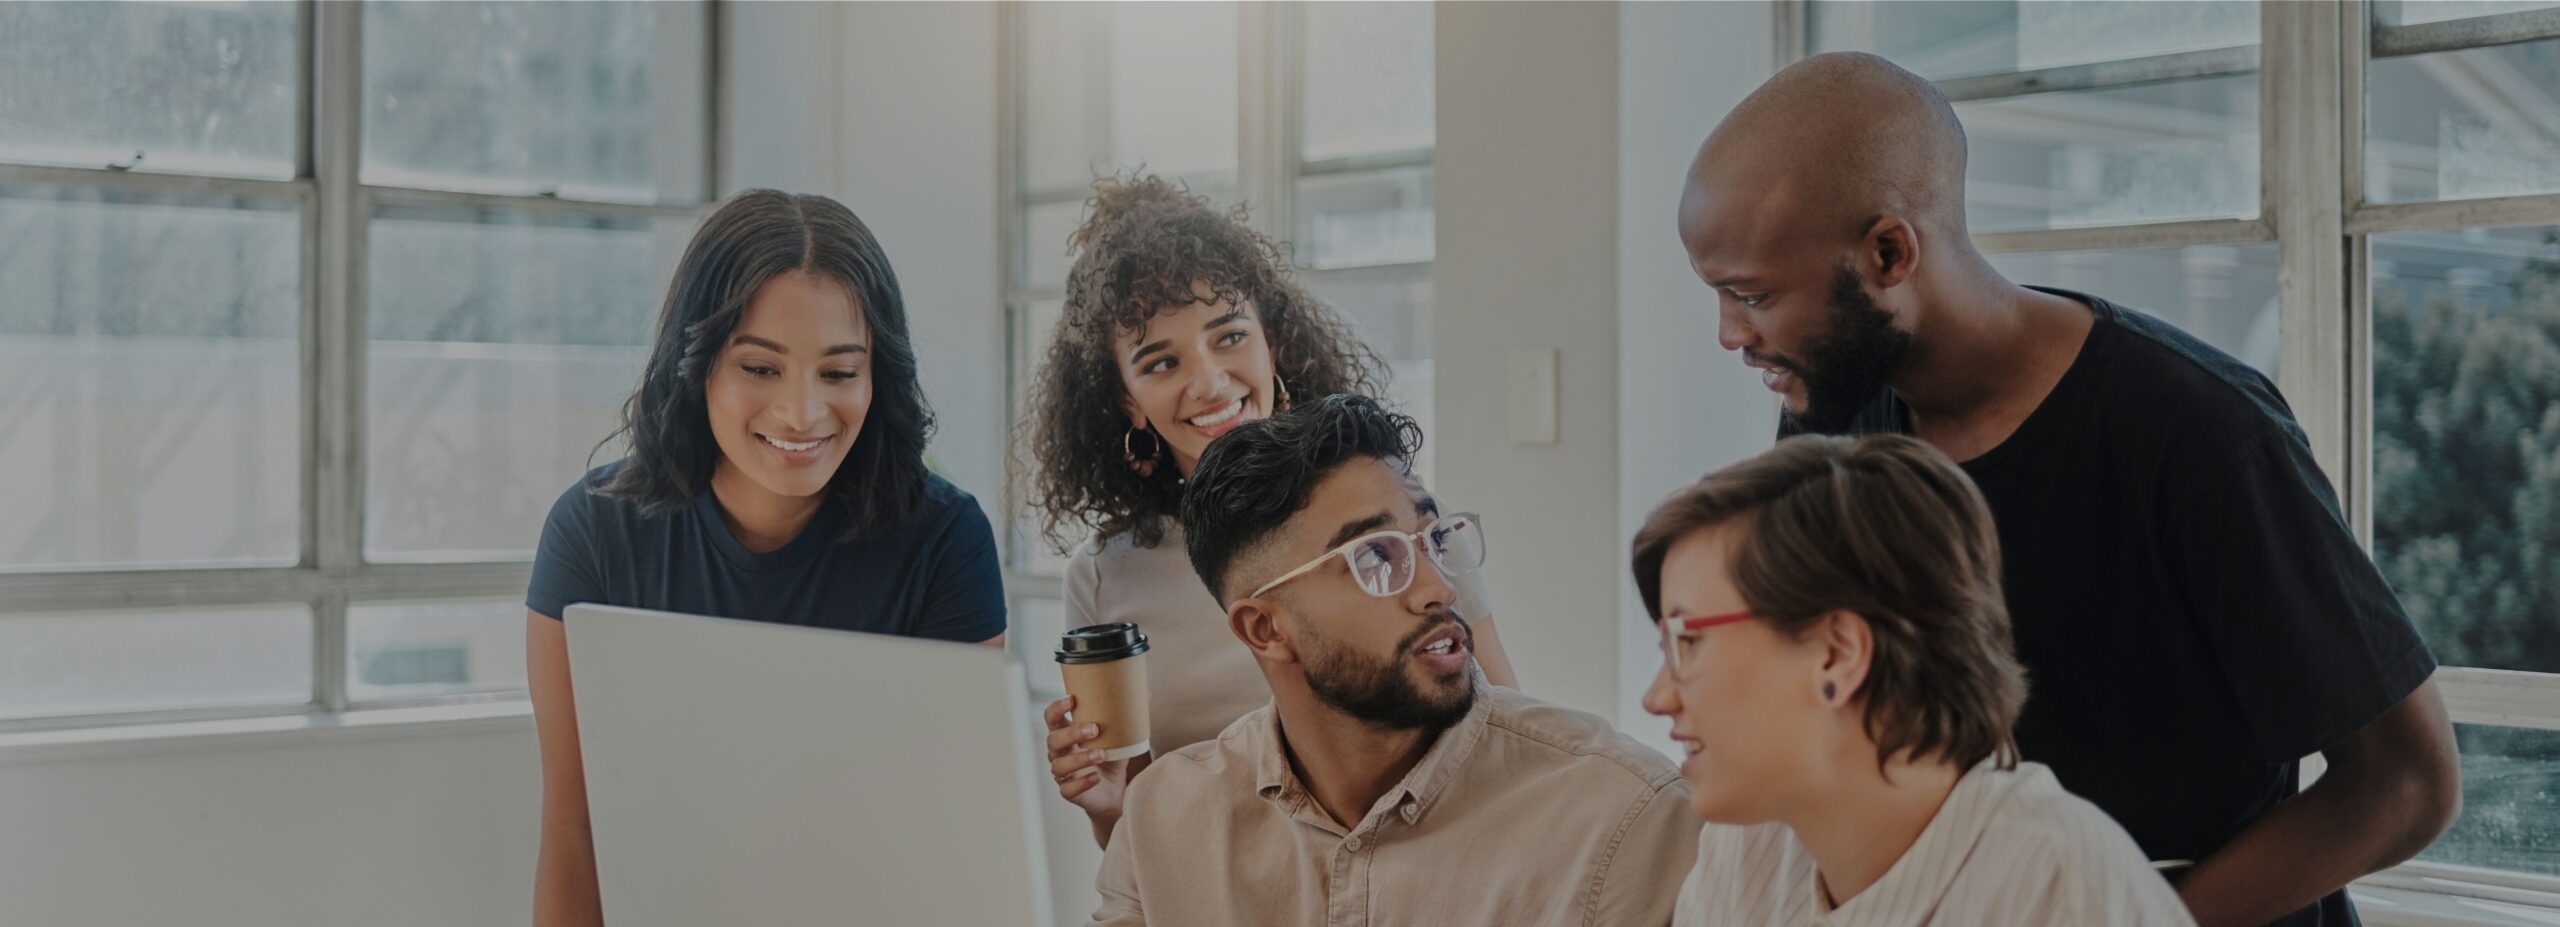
(2223, 294)
(2414, 12)
(150, 384)
(2155, 153)
(1359, 220)
(1391, 313)
(411, 649)
(1972, 37)
(2510, 802)
(1037, 324)
(1411, 391)
(2464, 124)
(1173, 90)
(1045, 258)
(503, 346)
(88, 663)
(194, 88)
(2466, 431)
(594, 100)
(1367, 79)
(1391, 310)
(1066, 86)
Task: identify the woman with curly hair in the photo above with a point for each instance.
(1180, 324)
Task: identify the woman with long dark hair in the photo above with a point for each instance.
(776, 473)
(1181, 323)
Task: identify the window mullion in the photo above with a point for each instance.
(1265, 123)
(336, 401)
(2299, 182)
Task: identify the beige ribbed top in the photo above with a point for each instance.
(1199, 677)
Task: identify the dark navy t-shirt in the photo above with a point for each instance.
(2194, 614)
(933, 576)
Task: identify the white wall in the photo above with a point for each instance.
(915, 156)
(1685, 406)
(1525, 182)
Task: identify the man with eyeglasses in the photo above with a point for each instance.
(1385, 783)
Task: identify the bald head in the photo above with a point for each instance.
(1825, 211)
(1832, 143)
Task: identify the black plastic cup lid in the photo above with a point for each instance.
(1101, 643)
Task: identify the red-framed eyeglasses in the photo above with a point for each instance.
(1675, 652)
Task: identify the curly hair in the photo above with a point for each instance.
(1150, 247)
(752, 238)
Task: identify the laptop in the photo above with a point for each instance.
(741, 772)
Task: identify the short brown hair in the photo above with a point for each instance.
(1888, 528)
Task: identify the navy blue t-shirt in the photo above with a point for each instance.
(933, 576)
(2194, 614)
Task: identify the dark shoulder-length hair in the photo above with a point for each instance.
(754, 237)
(1150, 247)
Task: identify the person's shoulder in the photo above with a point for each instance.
(1575, 738)
(1222, 764)
(944, 498)
(585, 503)
(1122, 554)
(2040, 835)
(2158, 367)
(943, 511)
(2043, 822)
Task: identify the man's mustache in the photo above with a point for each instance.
(1466, 632)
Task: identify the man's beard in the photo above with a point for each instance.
(1850, 363)
(1380, 692)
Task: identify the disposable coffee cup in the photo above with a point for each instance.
(1105, 666)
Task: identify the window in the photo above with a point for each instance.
(2130, 149)
(291, 370)
(2457, 226)
(1317, 115)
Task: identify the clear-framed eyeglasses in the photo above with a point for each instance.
(1383, 563)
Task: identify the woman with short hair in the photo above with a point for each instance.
(1837, 665)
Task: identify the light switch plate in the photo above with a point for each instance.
(1533, 397)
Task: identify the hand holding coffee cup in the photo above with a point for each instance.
(1105, 668)
(1100, 698)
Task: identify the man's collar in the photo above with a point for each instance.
(1412, 796)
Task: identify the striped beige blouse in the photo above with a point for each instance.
(2009, 847)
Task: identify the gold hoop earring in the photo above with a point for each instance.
(1145, 466)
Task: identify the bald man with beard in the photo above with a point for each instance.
(2193, 612)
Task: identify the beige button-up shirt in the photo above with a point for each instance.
(2009, 848)
(1523, 813)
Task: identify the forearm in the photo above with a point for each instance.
(2332, 834)
(564, 881)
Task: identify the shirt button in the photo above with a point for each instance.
(1352, 845)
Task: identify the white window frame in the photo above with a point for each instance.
(2311, 64)
(331, 572)
(1269, 113)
